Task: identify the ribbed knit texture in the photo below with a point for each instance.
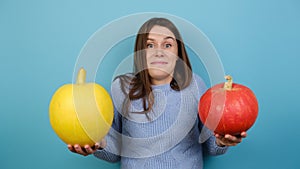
(171, 139)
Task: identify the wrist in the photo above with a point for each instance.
(219, 143)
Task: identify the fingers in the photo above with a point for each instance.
(86, 150)
(102, 144)
(97, 146)
(71, 148)
(80, 150)
(225, 141)
(233, 139)
(244, 134)
(230, 140)
(89, 150)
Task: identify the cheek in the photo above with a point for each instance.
(147, 59)
(173, 51)
(173, 57)
(173, 64)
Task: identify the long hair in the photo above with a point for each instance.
(140, 84)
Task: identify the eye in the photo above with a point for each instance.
(168, 45)
(150, 45)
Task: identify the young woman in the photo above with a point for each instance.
(156, 122)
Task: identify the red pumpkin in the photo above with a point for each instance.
(228, 108)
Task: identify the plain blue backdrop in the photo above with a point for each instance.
(257, 41)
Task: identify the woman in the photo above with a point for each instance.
(156, 123)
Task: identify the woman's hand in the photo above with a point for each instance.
(229, 140)
(87, 149)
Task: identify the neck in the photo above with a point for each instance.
(166, 80)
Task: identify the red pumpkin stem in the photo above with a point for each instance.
(228, 84)
(81, 76)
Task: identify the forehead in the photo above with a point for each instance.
(160, 32)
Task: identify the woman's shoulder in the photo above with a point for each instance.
(120, 89)
(121, 84)
(197, 85)
(198, 81)
(122, 81)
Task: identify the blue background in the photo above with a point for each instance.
(258, 43)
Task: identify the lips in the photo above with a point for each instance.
(159, 63)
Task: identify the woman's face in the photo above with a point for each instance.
(161, 54)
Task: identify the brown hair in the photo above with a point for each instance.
(140, 84)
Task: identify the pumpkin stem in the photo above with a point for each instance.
(81, 76)
(228, 84)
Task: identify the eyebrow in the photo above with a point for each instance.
(168, 37)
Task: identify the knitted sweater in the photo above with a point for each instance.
(172, 136)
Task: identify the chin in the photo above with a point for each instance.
(159, 74)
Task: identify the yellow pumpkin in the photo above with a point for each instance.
(81, 113)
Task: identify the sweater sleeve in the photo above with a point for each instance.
(206, 137)
(113, 142)
(208, 141)
(112, 151)
(198, 86)
(210, 147)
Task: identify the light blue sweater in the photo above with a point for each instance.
(173, 138)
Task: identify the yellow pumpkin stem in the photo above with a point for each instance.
(81, 76)
(228, 84)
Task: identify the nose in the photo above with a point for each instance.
(159, 52)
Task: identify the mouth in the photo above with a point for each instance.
(159, 63)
